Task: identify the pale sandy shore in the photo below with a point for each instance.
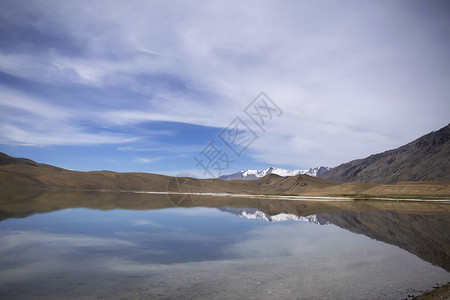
(301, 198)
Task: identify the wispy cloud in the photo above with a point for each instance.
(66, 135)
(343, 79)
(180, 150)
(143, 160)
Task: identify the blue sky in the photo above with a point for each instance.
(148, 85)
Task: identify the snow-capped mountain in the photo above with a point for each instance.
(251, 213)
(255, 174)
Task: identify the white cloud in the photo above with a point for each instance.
(27, 120)
(350, 84)
(65, 135)
(16, 100)
(143, 160)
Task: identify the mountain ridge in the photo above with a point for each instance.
(424, 159)
(255, 174)
(428, 155)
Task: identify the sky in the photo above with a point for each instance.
(208, 88)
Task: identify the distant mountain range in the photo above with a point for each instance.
(256, 174)
(20, 173)
(425, 159)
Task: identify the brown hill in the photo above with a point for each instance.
(23, 173)
(425, 159)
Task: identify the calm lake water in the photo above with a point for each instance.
(112, 246)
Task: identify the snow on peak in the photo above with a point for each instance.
(272, 170)
(255, 174)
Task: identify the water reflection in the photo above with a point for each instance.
(129, 245)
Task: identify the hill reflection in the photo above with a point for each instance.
(420, 228)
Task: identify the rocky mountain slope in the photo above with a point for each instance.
(425, 159)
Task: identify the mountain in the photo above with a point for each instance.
(425, 159)
(9, 160)
(25, 173)
(20, 173)
(251, 213)
(255, 174)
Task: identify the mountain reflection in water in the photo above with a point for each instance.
(133, 243)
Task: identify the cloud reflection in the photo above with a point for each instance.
(198, 257)
(141, 222)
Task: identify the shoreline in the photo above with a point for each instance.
(331, 198)
(438, 292)
(299, 197)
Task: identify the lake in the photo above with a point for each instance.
(127, 245)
